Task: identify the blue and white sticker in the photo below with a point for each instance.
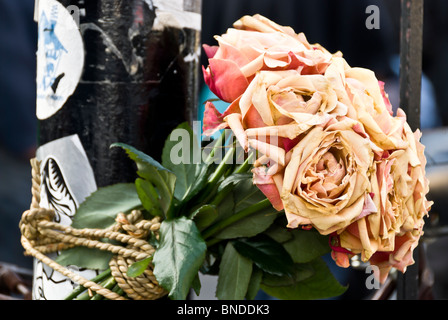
(60, 57)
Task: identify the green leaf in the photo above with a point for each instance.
(234, 179)
(254, 283)
(196, 285)
(250, 226)
(243, 193)
(204, 216)
(179, 256)
(182, 155)
(320, 285)
(83, 257)
(152, 171)
(234, 275)
(301, 271)
(137, 268)
(149, 197)
(268, 255)
(306, 245)
(100, 209)
(246, 194)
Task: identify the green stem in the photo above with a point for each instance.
(79, 289)
(243, 168)
(118, 290)
(246, 165)
(108, 284)
(236, 217)
(211, 186)
(218, 144)
(222, 167)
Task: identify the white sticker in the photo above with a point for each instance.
(60, 57)
(171, 13)
(67, 179)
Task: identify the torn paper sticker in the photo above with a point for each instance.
(175, 13)
(60, 57)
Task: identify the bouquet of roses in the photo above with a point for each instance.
(319, 164)
(334, 157)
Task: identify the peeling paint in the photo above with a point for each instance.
(130, 66)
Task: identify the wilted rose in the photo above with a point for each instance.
(256, 43)
(280, 103)
(325, 180)
(333, 154)
(360, 91)
(388, 237)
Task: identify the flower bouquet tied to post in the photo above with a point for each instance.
(310, 160)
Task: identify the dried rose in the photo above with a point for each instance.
(256, 43)
(326, 181)
(388, 237)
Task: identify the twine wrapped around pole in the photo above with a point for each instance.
(40, 236)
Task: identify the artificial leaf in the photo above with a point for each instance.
(179, 256)
(100, 209)
(138, 267)
(204, 216)
(268, 255)
(148, 196)
(83, 257)
(320, 285)
(151, 170)
(234, 275)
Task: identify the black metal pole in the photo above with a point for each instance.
(411, 45)
(108, 71)
(137, 83)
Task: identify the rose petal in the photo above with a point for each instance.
(222, 72)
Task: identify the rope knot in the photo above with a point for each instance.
(31, 219)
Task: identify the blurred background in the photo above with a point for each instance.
(338, 25)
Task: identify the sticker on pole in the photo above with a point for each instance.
(60, 57)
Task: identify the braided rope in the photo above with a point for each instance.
(40, 236)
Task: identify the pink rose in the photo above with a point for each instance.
(256, 43)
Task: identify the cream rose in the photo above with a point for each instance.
(360, 91)
(326, 180)
(388, 237)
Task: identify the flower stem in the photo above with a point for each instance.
(78, 290)
(108, 284)
(246, 165)
(219, 143)
(236, 217)
(222, 167)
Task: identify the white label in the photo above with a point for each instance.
(60, 57)
(67, 179)
(171, 13)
